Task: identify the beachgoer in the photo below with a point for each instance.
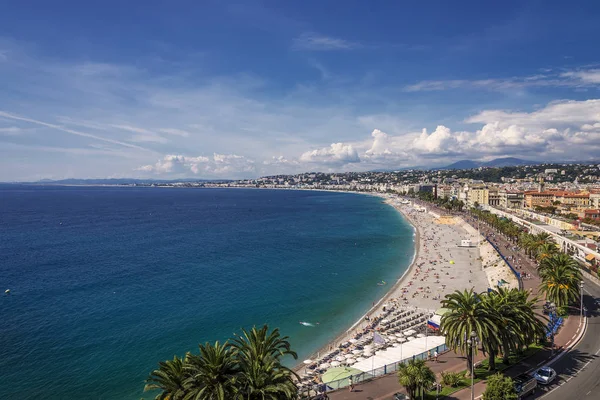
(435, 355)
(350, 383)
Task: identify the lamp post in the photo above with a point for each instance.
(471, 342)
(580, 302)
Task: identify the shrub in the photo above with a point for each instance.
(451, 379)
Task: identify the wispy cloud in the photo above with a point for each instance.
(11, 131)
(315, 42)
(67, 130)
(575, 79)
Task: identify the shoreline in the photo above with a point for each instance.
(344, 335)
(436, 247)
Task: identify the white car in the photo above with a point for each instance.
(545, 375)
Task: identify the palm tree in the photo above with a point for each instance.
(265, 380)
(560, 279)
(262, 376)
(519, 325)
(168, 378)
(416, 377)
(546, 250)
(466, 314)
(211, 373)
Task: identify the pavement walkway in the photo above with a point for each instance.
(384, 388)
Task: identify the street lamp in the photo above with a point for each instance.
(471, 342)
(580, 302)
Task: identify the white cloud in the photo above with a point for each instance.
(11, 131)
(587, 76)
(176, 132)
(219, 165)
(315, 42)
(336, 153)
(574, 79)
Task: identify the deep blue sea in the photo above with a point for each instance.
(105, 282)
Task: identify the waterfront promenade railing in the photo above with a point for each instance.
(514, 271)
(365, 376)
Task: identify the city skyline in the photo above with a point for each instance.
(246, 90)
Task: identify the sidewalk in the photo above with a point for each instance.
(383, 388)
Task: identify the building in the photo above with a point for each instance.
(594, 199)
(593, 214)
(477, 194)
(578, 201)
(538, 199)
(493, 197)
(512, 200)
(429, 189)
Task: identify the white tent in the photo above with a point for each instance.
(396, 354)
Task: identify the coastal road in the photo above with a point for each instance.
(579, 369)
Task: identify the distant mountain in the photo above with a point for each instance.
(509, 162)
(463, 164)
(495, 163)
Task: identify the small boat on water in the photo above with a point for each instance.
(381, 283)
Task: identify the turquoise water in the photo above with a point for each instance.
(108, 281)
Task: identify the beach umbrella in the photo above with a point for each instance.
(336, 374)
(335, 363)
(350, 361)
(410, 338)
(358, 359)
(367, 354)
(420, 335)
(385, 321)
(399, 335)
(402, 340)
(356, 352)
(451, 261)
(397, 345)
(340, 358)
(324, 366)
(347, 356)
(307, 362)
(353, 341)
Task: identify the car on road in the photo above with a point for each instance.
(524, 385)
(545, 375)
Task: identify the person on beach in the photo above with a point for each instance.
(351, 384)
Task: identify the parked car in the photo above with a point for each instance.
(525, 385)
(544, 375)
(400, 396)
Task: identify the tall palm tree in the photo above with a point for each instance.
(168, 378)
(258, 353)
(211, 373)
(265, 380)
(560, 279)
(546, 250)
(519, 324)
(416, 377)
(466, 314)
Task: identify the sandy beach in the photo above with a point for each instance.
(440, 266)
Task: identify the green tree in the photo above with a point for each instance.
(211, 373)
(560, 279)
(466, 314)
(416, 377)
(262, 376)
(500, 387)
(168, 378)
(546, 250)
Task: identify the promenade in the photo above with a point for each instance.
(385, 387)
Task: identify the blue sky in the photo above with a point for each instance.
(213, 89)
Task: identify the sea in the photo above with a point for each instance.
(107, 281)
